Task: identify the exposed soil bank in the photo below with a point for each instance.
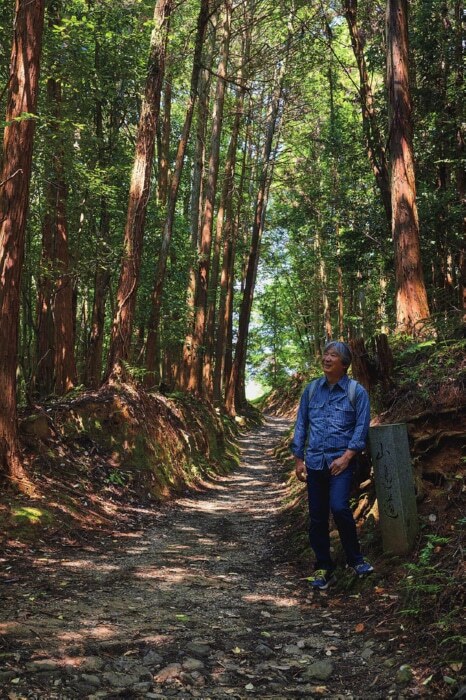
(200, 601)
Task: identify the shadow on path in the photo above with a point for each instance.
(194, 606)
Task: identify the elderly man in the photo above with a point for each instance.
(331, 428)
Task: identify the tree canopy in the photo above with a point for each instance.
(213, 189)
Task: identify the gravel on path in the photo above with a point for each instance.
(198, 605)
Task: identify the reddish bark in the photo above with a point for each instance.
(202, 280)
(120, 342)
(159, 279)
(374, 143)
(45, 325)
(412, 308)
(93, 371)
(460, 172)
(164, 151)
(225, 230)
(224, 358)
(102, 277)
(234, 394)
(64, 358)
(14, 199)
(197, 198)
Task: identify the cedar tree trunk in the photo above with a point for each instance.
(14, 200)
(374, 143)
(202, 279)
(120, 342)
(154, 318)
(236, 381)
(411, 298)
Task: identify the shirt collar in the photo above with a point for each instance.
(342, 382)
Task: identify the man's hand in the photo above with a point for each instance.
(341, 463)
(300, 469)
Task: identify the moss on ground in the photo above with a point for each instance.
(96, 452)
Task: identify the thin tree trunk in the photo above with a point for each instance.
(14, 200)
(226, 314)
(233, 396)
(65, 364)
(374, 142)
(154, 319)
(382, 306)
(120, 342)
(322, 277)
(225, 231)
(460, 172)
(202, 279)
(164, 151)
(412, 308)
(196, 201)
(341, 307)
(101, 285)
(45, 352)
(65, 373)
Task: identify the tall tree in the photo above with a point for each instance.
(205, 242)
(226, 231)
(233, 398)
(14, 200)
(460, 173)
(374, 141)
(102, 275)
(412, 308)
(139, 193)
(64, 357)
(159, 278)
(197, 197)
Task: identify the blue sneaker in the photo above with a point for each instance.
(322, 579)
(363, 569)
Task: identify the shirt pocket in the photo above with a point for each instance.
(343, 416)
(316, 409)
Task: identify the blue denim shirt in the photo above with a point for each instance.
(331, 425)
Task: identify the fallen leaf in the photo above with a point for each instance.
(236, 650)
(449, 680)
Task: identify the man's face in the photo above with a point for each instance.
(332, 364)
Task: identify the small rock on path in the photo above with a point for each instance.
(196, 606)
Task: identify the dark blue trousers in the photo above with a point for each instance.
(327, 493)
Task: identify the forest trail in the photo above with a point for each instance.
(197, 605)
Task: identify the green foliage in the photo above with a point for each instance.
(423, 584)
(117, 478)
(326, 240)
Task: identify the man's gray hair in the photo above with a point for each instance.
(342, 349)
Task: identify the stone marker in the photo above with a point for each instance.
(394, 485)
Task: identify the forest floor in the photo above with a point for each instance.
(199, 599)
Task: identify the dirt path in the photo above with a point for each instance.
(197, 605)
